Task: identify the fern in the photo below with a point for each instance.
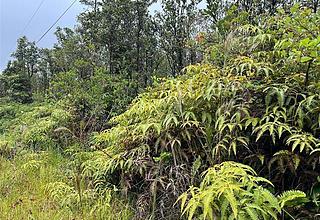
(288, 196)
(226, 190)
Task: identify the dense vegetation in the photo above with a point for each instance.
(185, 113)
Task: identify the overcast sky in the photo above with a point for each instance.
(15, 14)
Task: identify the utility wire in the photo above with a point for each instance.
(56, 21)
(32, 17)
(29, 21)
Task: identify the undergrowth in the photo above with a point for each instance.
(39, 176)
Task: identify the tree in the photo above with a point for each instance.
(20, 73)
(27, 55)
(176, 22)
(47, 68)
(17, 83)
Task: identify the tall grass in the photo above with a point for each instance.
(38, 178)
(24, 195)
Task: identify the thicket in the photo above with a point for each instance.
(254, 100)
(235, 136)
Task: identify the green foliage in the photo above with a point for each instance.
(17, 85)
(32, 126)
(21, 190)
(233, 191)
(32, 187)
(254, 100)
(100, 96)
(246, 106)
(17, 77)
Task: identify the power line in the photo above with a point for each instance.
(29, 22)
(56, 21)
(32, 17)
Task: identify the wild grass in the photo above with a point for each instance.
(24, 195)
(38, 174)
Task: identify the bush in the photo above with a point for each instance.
(33, 126)
(253, 107)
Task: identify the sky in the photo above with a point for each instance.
(15, 14)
